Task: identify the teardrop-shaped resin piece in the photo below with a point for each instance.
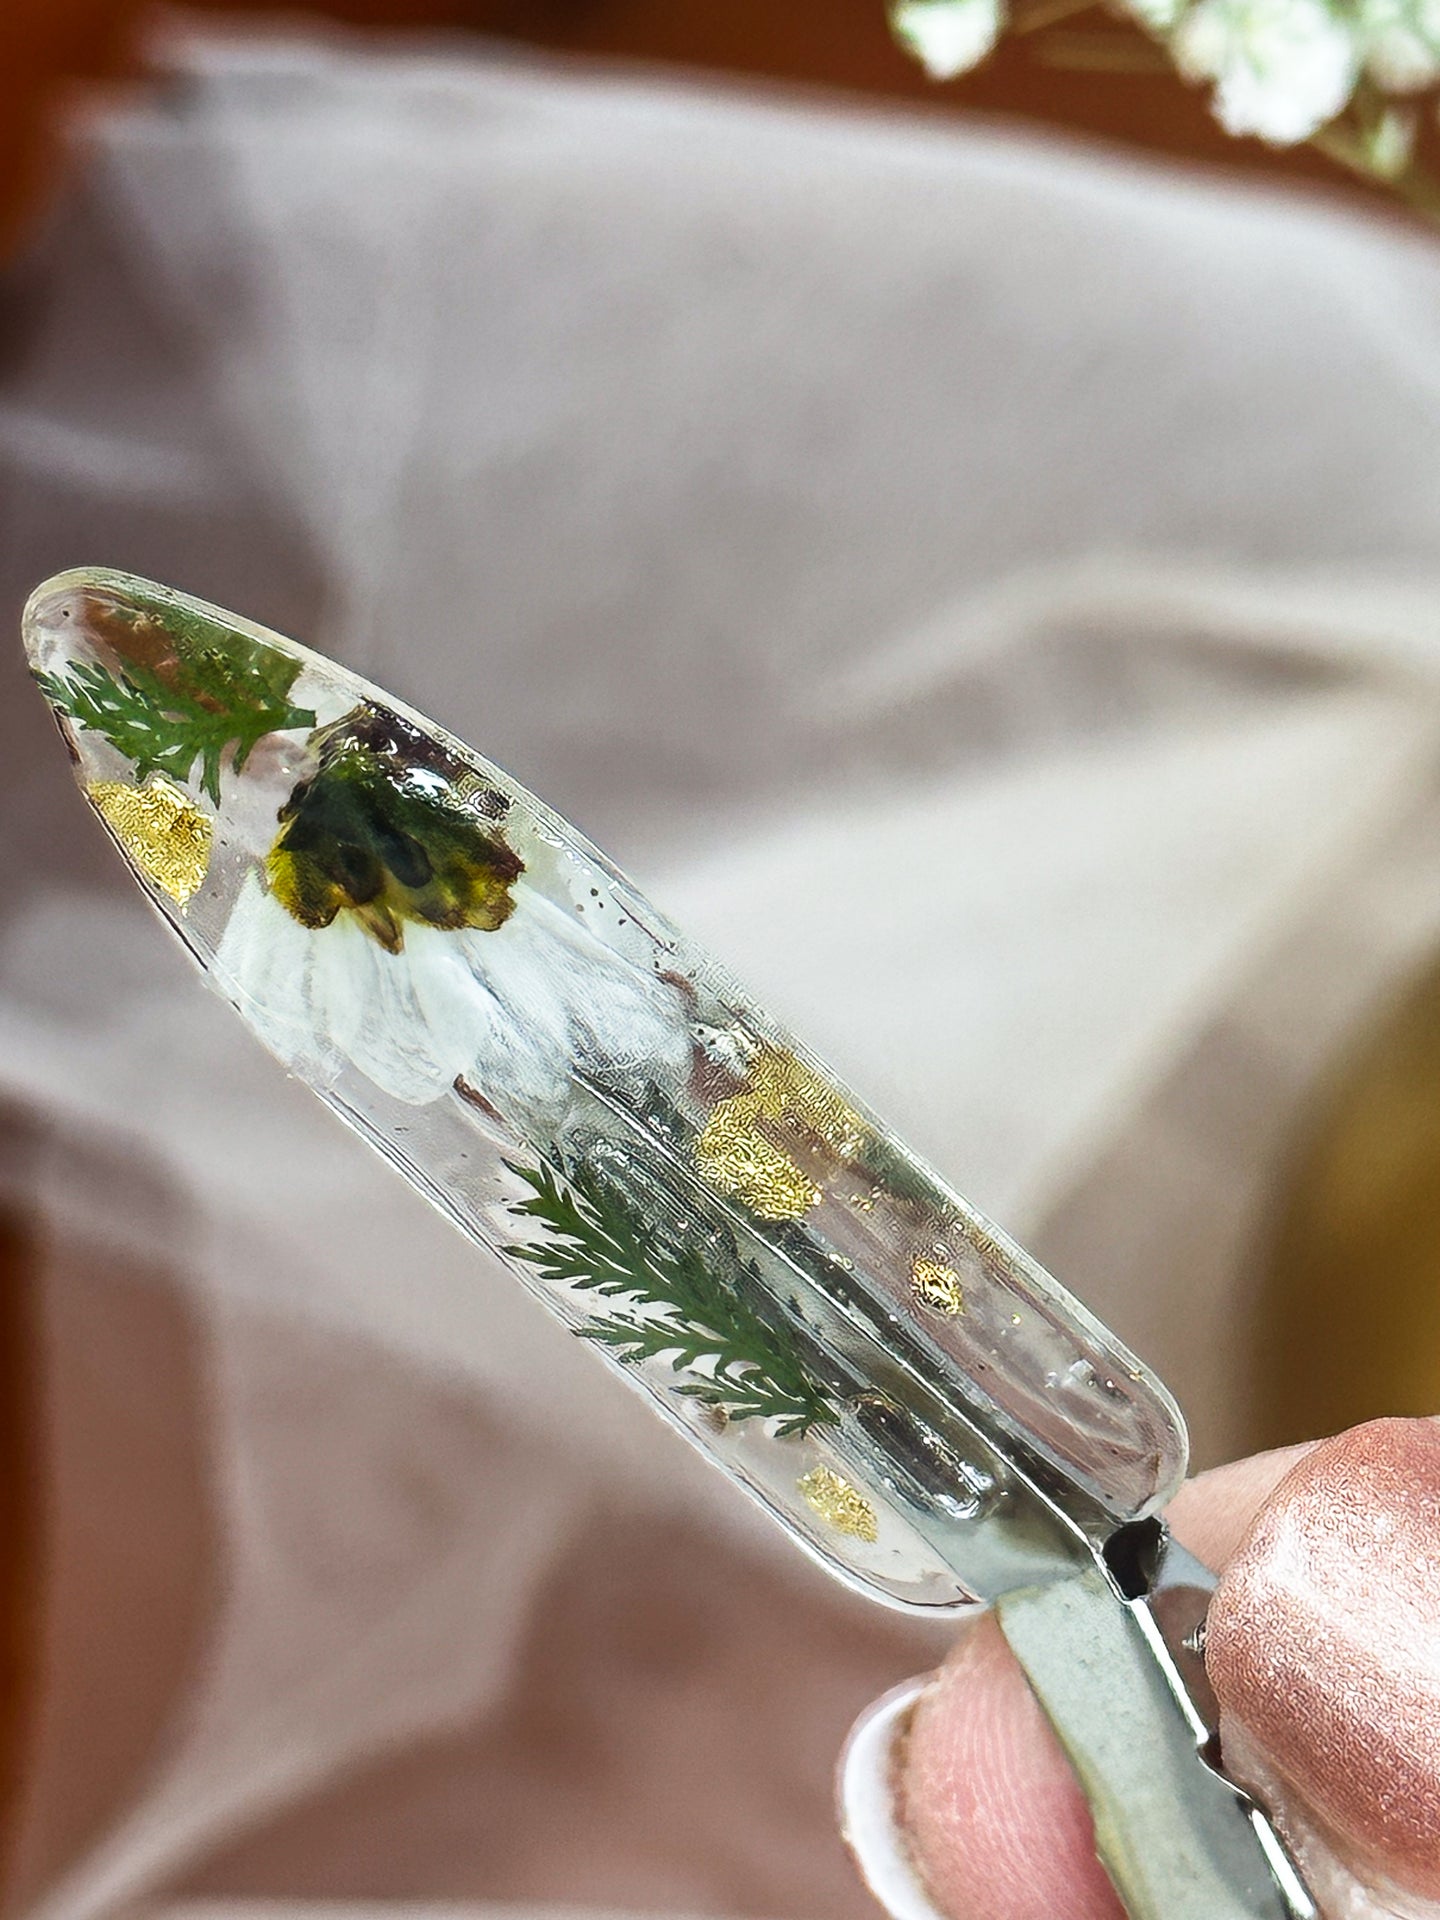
(481, 994)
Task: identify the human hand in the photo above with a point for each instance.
(1323, 1645)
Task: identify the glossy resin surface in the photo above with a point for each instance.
(479, 992)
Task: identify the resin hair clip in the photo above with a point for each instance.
(477, 991)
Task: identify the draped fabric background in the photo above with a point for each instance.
(990, 592)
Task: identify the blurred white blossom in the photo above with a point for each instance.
(1158, 15)
(1400, 40)
(947, 37)
(1282, 68)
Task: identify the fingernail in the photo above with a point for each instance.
(866, 1787)
(1323, 1642)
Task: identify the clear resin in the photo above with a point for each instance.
(479, 992)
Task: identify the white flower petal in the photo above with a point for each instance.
(568, 996)
(947, 37)
(266, 966)
(510, 1030)
(626, 1016)
(368, 1004)
(1282, 68)
(511, 1011)
(321, 997)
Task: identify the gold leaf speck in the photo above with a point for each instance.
(839, 1504)
(161, 828)
(736, 1154)
(936, 1286)
(785, 1086)
(736, 1158)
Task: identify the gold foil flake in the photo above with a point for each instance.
(839, 1504)
(161, 828)
(787, 1089)
(936, 1286)
(735, 1157)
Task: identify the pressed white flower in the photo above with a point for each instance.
(510, 1010)
(947, 37)
(1401, 42)
(1282, 68)
(391, 929)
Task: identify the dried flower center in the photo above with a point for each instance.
(379, 833)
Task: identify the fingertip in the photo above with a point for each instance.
(1213, 1513)
(1324, 1650)
(985, 1818)
(868, 1786)
(995, 1818)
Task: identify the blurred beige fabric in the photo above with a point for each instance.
(987, 590)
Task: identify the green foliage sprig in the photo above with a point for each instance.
(212, 698)
(601, 1243)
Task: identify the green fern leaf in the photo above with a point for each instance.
(680, 1305)
(215, 697)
